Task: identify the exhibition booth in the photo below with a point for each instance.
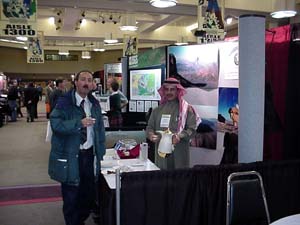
(210, 74)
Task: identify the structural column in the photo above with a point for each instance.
(251, 87)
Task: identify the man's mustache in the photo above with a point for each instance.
(85, 86)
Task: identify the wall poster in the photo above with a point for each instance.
(197, 69)
(113, 70)
(140, 106)
(132, 106)
(228, 113)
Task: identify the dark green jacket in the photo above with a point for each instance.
(65, 122)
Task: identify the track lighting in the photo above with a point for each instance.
(58, 24)
(83, 14)
(58, 13)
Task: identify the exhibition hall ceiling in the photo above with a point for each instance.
(82, 25)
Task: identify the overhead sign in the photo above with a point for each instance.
(130, 45)
(35, 51)
(212, 27)
(18, 18)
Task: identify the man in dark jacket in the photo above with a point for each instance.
(12, 100)
(59, 91)
(78, 136)
(30, 94)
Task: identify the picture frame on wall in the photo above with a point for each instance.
(144, 84)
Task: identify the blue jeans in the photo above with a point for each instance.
(13, 108)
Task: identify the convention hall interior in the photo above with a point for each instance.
(233, 57)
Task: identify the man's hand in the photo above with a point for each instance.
(154, 138)
(88, 121)
(175, 139)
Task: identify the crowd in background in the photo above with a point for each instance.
(28, 95)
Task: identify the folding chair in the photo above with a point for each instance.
(246, 199)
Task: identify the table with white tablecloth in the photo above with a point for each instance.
(107, 181)
(288, 220)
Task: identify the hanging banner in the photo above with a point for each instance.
(35, 49)
(212, 26)
(130, 45)
(18, 18)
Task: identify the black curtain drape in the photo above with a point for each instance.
(198, 195)
(291, 135)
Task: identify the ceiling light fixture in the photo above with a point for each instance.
(77, 25)
(83, 22)
(230, 18)
(59, 12)
(63, 51)
(51, 20)
(98, 47)
(22, 38)
(163, 3)
(283, 9)
(182, 41)
(58, 24)
(85, 55)
(109, 39)
(12, 41)
(128, 23)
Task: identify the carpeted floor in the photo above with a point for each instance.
(29, 194)
(24, 152)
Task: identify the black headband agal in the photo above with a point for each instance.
(171, 82)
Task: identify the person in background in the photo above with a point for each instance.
(124, 100)
(48, 91)
(36, 101)
(175, 114)
(12, 100)
(40, 91)
(20, 100)
(30, 94)
(78, 136)
(59, 91)
(115, 115)
(19, 105)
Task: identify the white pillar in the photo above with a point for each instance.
(251, 87)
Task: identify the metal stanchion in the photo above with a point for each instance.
(118, 196)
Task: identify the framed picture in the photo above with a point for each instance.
(144, 84)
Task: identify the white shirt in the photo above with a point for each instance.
(87, 110)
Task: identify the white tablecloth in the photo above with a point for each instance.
(289, 220)
(111, 162)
